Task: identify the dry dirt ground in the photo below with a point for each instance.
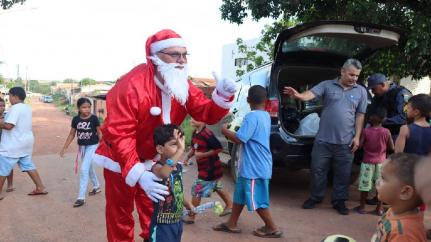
(52, 218)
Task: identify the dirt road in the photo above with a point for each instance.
(52, 218)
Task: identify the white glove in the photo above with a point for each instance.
(154, 190)
(226, 87)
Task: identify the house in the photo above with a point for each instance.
(207, 85)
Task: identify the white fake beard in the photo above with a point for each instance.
(175, 79)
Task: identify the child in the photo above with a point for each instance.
(166, 224)
(375, 141)
(403, 221)
(10, 187)
(205, 147)
(86, 127)
(415, 138)
(17, 141)
(255, 167)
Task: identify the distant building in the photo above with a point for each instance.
(232, 59)
(417, 86)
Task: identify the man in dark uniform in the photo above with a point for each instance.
(393, 98)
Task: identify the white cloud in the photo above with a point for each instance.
(57, 39)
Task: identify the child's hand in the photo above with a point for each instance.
(180, 137)
(191, 213)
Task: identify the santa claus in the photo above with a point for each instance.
(150, 95)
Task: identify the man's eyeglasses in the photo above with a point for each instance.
(176, 55)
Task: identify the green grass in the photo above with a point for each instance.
(188, 130)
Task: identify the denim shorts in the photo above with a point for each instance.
(252, 192)
(7, 164)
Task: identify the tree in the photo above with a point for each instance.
(1, 80)
(412, 56)
(87, 82)
(69, 80)
(33, 86)
(6, 4)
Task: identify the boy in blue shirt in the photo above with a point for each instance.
(255, 167)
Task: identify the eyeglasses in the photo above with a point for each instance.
(176, 55)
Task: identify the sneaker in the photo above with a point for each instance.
(310, 203)
(94, 191)
(78, 203)
(341, 208)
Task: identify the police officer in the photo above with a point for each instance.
(393, 98)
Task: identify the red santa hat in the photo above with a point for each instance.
(163, 39)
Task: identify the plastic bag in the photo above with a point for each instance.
(309, 125)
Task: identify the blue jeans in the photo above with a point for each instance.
(87, 169)
(323, 157)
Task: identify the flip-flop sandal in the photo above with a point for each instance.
(35, 193)
(188, 220)
(377, 212)
(10, 189)
(224, 228)
(359, 210)
(267, 234)
(225, 212)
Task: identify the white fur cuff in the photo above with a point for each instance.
(135, 173)
(220, 101)
(106, 163)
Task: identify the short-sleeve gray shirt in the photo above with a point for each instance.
(338, 117)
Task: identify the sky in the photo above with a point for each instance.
(104, 39)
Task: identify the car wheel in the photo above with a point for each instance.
(234, 160)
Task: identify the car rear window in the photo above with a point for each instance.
(332, 44)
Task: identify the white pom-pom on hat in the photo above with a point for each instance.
(155, 111)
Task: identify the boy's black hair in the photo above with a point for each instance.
(421, 102)
(256, 94)
(405, 165)
(376, 115)
(19, 92)
(82, 100)
(164, 133)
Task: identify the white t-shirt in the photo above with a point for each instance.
(17, 142)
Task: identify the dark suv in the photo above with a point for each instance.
(304, 56)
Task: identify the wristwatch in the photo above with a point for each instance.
(170, 162)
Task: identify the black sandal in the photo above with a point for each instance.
(94, 191)
(78, 203)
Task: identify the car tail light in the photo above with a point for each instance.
(272, 107)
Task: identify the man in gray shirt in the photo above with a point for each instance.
(341, 122)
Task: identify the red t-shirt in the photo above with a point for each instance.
(209, 168)
(375, 142)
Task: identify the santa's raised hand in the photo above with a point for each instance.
(225, 87)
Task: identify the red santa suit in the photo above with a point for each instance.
(136, 105)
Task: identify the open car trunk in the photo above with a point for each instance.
(301, 119)
(310, 53)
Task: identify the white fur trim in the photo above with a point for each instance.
(166, 108)
(220, 101)
(106, 163)
(135, 173)
(155, 111)
(163, 44)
